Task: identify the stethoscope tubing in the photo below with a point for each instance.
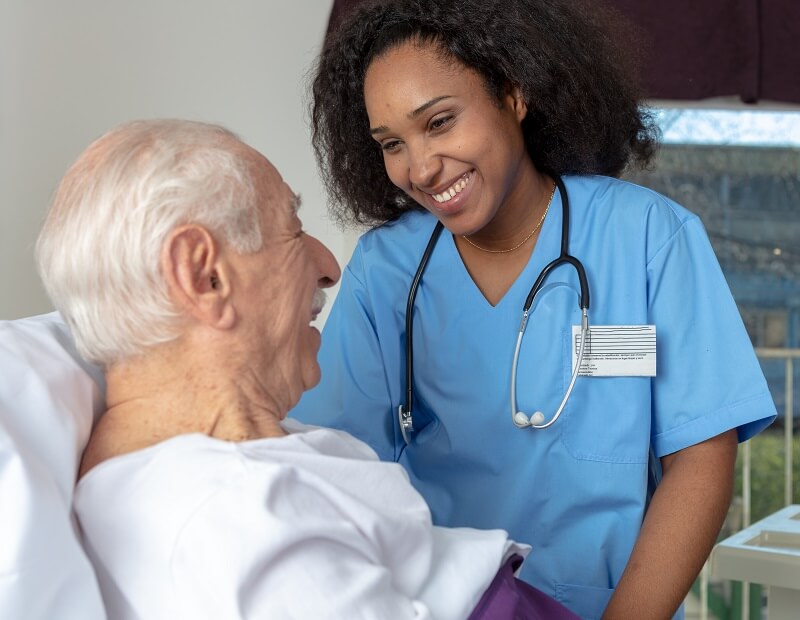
(404, 412)
(575, 371)
(405, 415)
(563, 257)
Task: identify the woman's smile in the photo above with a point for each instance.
(451, 199)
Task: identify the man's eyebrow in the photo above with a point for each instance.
(296, 203)
(411, 115)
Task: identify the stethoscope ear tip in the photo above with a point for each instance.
(522, 421)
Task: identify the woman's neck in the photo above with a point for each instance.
(520, 216)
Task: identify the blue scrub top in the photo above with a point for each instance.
(577, 491)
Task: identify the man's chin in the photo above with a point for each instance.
(311, 376)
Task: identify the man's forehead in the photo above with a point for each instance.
(271, 187)
(283, 204)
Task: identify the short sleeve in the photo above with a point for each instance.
(708, 377)
(353, 392)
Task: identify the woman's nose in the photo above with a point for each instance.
(423, 166)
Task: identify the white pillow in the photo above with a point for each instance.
(49, 399)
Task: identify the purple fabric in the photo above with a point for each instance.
(508, 598)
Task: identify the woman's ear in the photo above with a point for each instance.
(197, 277)
(517, 100)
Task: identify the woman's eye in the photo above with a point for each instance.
(440, 122)
(390, 146)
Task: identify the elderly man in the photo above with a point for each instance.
(176, 255)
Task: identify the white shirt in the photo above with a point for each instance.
(310, 525)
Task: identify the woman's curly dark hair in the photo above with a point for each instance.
(583, 116)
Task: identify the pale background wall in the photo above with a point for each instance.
(71, 70)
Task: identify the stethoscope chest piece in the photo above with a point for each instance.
(406, 421)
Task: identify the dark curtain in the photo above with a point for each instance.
(696, 49)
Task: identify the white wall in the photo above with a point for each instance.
(71, 70)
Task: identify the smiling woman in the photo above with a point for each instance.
(462, 117)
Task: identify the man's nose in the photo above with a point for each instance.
(329, 271)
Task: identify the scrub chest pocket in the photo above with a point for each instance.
(606, 419)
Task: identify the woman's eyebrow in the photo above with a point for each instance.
(411, 115)
(415, 113)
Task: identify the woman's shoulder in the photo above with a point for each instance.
(408, 228)
(626, 211)
(610, 212)
(397, 245)
(612, 194)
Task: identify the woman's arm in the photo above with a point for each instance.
(679, 530)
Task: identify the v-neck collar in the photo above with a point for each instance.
(547, 248)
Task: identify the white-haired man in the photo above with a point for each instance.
(175, 254)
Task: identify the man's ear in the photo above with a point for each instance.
(197, 277)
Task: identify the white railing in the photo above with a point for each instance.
(789, 355)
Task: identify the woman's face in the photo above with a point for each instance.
(446, 142)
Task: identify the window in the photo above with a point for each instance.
(740, 172)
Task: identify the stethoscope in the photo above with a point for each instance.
(520, 419)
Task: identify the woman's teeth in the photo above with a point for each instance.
(451, 191)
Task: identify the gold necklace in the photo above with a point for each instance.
(521, 243)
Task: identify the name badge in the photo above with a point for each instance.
(616, 351)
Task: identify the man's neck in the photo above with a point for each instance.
(156, 397)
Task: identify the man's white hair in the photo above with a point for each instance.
(98, 253)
